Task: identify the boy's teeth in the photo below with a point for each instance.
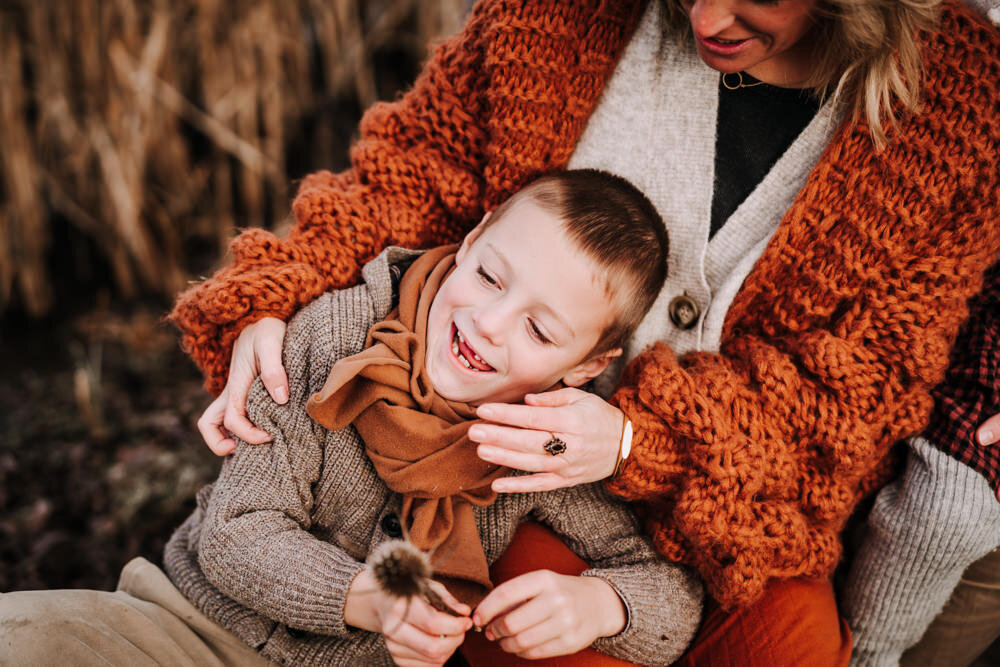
(460, 355)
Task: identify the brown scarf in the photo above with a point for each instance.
(417, 439)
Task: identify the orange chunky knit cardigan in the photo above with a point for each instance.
(745, 463)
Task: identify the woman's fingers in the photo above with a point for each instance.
(989, 431)
(519, 460)
(267, 344)
(523, 416)
(554, 399)
(235, 418)
(211, 429)
(543, 481)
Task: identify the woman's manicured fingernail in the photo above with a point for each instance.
(476, 433)
(484, 412)
(281, 394)
(987, 437)
(490, 635)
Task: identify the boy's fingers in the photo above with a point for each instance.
(434, 647)
(432, 622)
(506, 597)
(989, 431)
(450, 599)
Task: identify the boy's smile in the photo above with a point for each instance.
(522, 309)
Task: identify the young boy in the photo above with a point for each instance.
(373, 439)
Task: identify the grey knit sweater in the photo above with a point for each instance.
(274, 544)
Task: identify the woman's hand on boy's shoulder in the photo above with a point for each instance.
(515, 436)
(257, 351)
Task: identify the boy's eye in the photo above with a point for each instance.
(486, 278)
(537, 334)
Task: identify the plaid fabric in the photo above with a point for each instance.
(970, 393)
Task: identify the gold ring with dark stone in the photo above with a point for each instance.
(555, 446)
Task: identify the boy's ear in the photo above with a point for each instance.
(471, 237)
(591, 368)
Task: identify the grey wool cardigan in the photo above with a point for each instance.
(275, 542)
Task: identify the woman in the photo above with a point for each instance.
(768, 406)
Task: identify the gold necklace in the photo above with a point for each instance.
(739, 81)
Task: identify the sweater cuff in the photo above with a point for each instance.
(644, 641)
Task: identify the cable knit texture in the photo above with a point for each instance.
(748, 462)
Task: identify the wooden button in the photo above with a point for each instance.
(684, 312)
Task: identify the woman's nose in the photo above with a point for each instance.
(710, 17)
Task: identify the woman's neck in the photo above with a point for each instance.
(789, 69)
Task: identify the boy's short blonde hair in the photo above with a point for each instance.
(615, 225)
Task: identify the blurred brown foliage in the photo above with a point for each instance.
(153, 126)
(135, 135)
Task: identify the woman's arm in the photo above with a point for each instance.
(416, 180)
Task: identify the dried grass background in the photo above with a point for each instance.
(152, 127)
(135, 137)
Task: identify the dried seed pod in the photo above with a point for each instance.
(404, 571)
(400, 568)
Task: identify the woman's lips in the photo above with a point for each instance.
(724, 47)
(465, 355)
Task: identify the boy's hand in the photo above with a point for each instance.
(543, 614)
(416, 634)
(257, 352)
(590, 427)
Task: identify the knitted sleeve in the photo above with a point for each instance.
(970, 393)
(254, 544)
(415, 181)
(663, 600)
(748, 462)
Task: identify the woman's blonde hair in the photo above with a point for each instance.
(867, 54)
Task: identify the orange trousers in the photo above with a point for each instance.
(796, 623)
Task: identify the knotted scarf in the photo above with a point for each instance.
(416, 439)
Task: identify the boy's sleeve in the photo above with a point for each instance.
(254, 544)
(663, 600)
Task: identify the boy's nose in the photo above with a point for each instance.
(492, 322)
(711, 17)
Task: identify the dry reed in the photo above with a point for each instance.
(151, 126)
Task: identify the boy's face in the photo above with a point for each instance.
(522, 309)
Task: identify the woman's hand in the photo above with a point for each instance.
(542, 614)
(415, 633)
(989, 431)
(590, 427)
(257, 352)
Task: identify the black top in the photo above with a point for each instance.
(756, 125)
